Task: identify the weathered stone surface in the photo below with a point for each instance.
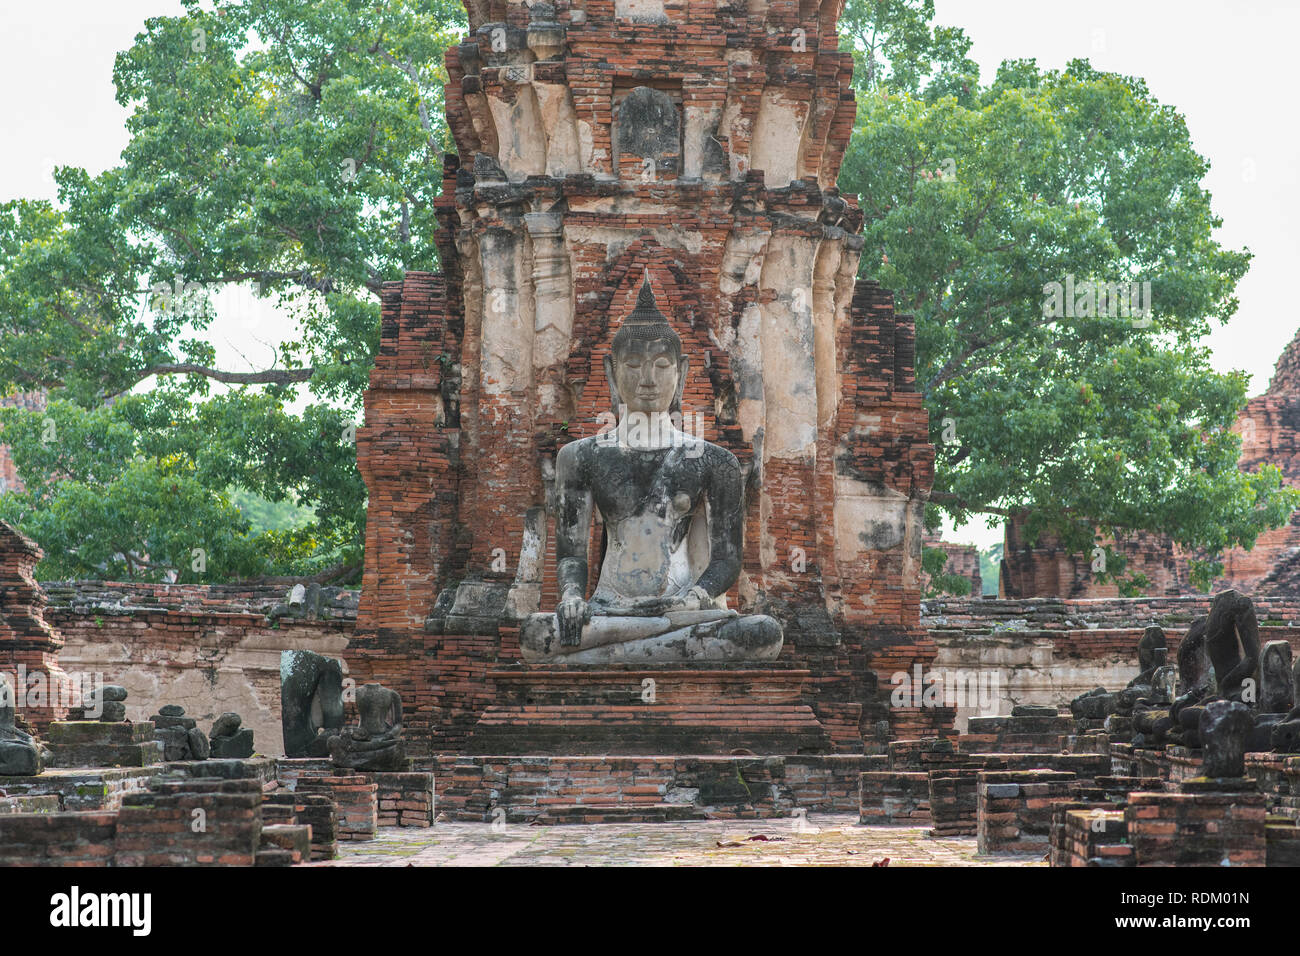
(1277, 682)
(1225, 728)
(311, 702)
(376, 743)
(239, 744)
(226, 725)
(21, 754)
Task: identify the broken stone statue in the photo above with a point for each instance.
(1285, 736)
(1229, 639)
(672, 505)
(20, 753)
(179, 735)
(108, 705)
(1225, 729)
(1099, 703)
(376, 743)
(227, 739)
(311, 702)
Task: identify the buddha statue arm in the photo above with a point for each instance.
(726, 528)
(572, 526)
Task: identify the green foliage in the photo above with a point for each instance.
(294, 148)
(991, 569)
(933, 561)
(136, 489)
(975, 202)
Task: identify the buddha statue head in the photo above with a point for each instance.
(645, 367)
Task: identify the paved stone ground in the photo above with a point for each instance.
(825, 840)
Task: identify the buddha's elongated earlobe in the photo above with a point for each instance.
(683, 364)
(614, 398)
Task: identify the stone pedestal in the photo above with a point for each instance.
(1015, 809)
(1208, 823)
(315, 810)
(94, 743)
(666, 711)
(356, 799)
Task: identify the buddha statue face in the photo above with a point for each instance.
(646, 369)
(648, 375)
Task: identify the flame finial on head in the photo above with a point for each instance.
(645, 322)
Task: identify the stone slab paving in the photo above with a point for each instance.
(821, 840)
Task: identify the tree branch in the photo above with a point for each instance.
(273, 376)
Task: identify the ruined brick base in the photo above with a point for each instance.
(1205, 828)
(515, 789)
(627, 710)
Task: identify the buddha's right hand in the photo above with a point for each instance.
(571, 615)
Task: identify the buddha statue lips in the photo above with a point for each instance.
(672, 506)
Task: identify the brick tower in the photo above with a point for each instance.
(601, 141)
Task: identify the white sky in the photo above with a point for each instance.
(1227, 65)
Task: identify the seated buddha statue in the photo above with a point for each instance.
(672, 507)
(21, 755)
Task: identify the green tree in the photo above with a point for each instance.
(991, 568)
(292, 148)
(1091, 421)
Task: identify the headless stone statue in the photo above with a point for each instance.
(1228, 640)
(672, 506)
(1225, 728)
(311, 702)
(376, 743)
(20, 754)
(1099, 703)
(1285, 737)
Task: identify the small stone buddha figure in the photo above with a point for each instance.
(376, 743)
(672, 505)
(20, 754)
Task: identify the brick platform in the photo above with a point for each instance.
(1197, 829)
(893, 798)
(637, 789)
(191, 822)
(79, 790)
(356, 798)
(1024, 734)
(1090, 837)
(588, 711)
(405, 799)
(954, 792)
(1015, 809)
(93, 743)
(57, 839)
(314, 810)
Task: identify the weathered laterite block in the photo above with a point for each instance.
(1089, 836)
(405, 799)
(893, 798)
(1198, 828)
(356, 798)
(1014, 812)
(191, 822)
